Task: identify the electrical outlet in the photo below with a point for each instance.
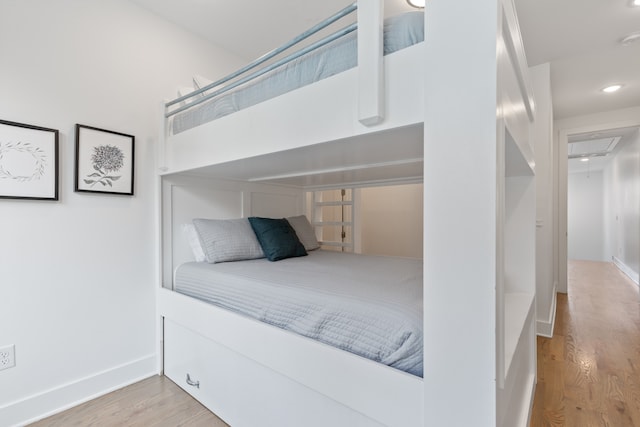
(7, 357)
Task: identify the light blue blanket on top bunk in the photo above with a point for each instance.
(400, 32)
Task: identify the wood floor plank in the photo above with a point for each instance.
(589, 372)
(156, 401)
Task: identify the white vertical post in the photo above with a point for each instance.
(161, 156)
(162, 255)
(370, 65)
(460, 204)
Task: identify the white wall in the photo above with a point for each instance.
(622, 202)
(391, 220)
(585, 211)
(542, 137)
(77, 276)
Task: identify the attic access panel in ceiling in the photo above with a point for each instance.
(592, 147)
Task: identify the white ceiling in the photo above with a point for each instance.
(581, 41)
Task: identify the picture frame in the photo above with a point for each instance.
(104, 161)
(28, 161)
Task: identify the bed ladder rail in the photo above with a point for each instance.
(370, 62)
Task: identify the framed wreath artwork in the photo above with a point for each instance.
(104, 161)
(28, 162)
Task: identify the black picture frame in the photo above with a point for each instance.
(104, 161)
(28, 161)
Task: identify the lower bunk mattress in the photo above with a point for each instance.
(368, 305)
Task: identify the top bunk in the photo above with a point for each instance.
(345, 104)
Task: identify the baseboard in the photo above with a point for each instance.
(532, 395)
(626, 270)
(58, 399)
(523, 417)
(544, 328)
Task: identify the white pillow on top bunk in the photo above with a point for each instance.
(185, 90)
(224, 104)
(227, 239)
(304, 231)
(199, 82)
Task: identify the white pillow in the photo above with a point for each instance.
(227, 239)
(182, 91)
(224, 103)
(189, 232)
(199, 82)
(304, 231)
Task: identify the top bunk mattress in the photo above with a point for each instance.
(367, 305)
(400, 31)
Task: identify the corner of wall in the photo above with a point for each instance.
(65, 396)
(628, 271)
(544, 328)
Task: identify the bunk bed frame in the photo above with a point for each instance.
(365, 126)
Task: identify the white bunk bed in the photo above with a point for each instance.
(361, 127)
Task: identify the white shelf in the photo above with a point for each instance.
(517, 307)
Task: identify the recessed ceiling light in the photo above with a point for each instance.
(584, 159)
(630, 38)
(612, 88)
(635, 2)
(420, 3)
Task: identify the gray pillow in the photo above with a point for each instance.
(191, 235)
(304, 231)
(227, 239)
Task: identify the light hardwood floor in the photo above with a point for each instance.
(156, 401)
(589, 372)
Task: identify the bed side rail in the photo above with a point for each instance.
(370, 53)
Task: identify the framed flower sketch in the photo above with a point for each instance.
(28, 161)
(104, 161)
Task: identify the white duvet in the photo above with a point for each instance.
(367, 305)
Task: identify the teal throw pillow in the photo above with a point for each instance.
(277, 238)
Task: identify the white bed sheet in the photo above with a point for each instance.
(368, 305)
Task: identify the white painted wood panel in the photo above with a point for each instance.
(273, 205)
(242, 392)
(482, 219)
(370, 62)
(460, 213)
(330, 113)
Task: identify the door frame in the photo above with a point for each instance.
(564, 128)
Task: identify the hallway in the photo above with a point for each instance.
(589, 372)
